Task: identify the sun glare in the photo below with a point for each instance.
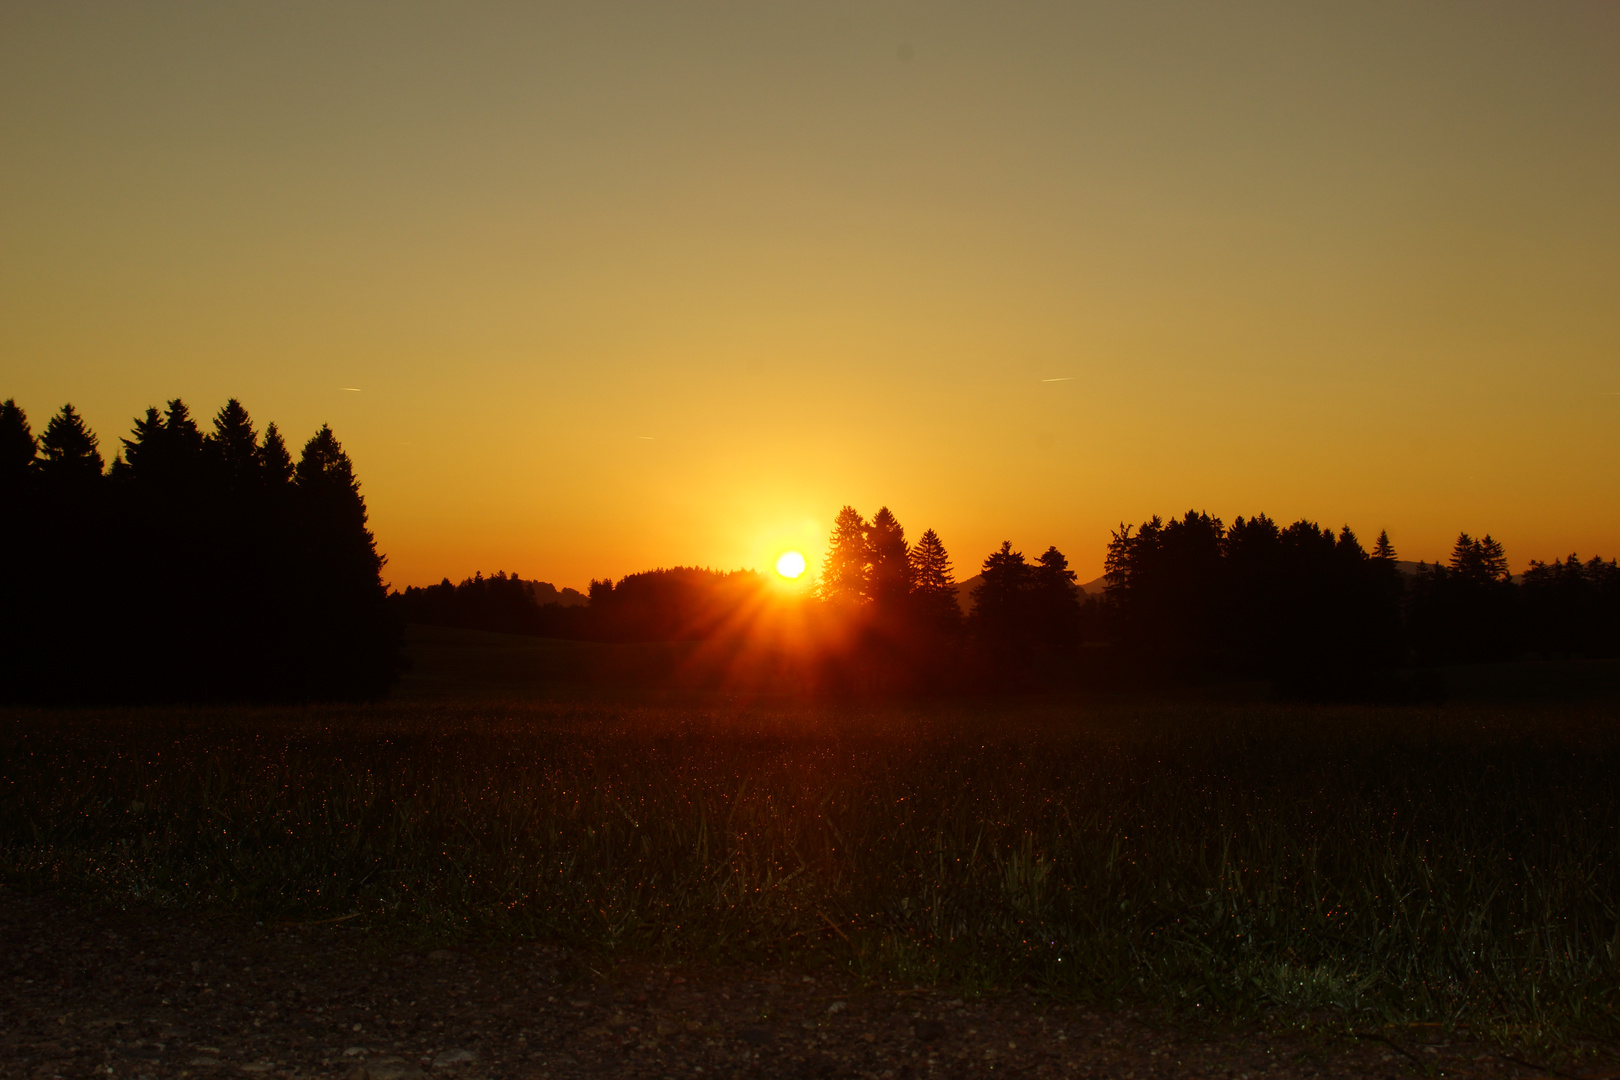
(790, 564)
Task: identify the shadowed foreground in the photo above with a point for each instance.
(198, 996)
(1398, 865)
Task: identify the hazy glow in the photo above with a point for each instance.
(790, 564)
(637, 285)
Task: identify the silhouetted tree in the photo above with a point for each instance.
(1167, 586)
(999, 620)
(18, 451)
(889, 573)
(1572, 608)
(348, 637)
(233, 448)
(275, 462)
(70, 457)
(846, 571)
(934, 585)
(20, 570)
(1054, 607)
(499, 603)
(195, 569)
(1465, 611)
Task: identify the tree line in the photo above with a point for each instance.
(1305, 606)
(197, 566)
(209, 565)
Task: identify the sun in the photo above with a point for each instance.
(790, 564)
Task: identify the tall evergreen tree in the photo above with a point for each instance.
(69, 449)
(233, 446)
(889, 576)
(351, 639)
(1056, 604)
(933, 583)
(1000, 620)
(275, 462)
(18, 447)
(846, 571)
(143, 452)
(1383, 549)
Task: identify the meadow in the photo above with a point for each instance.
(1450, 864)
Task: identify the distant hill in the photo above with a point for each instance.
(544, 592)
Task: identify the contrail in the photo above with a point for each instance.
(353, 389)
(1066, 378)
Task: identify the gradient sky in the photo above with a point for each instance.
(634, 285)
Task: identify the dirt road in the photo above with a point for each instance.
(111, 994)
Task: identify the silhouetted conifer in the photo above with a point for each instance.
(18, 448)
(233, 447)
(349, 642)
(1055, 607)
(846, 571)
(1000, 618)
(21, 574)
(933, 584)
(275, 462)
(889, 575)
(233, 581)
(69, 454)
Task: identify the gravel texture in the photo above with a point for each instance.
(109, 993)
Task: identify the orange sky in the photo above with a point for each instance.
(636, 285)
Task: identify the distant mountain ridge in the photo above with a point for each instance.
(544, 592)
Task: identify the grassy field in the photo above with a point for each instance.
(1451, 864)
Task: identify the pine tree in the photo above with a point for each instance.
(69, 449)
(349, 640)
(1004, 578)
(325, 476)
(1056, 603)
(845, 573)
(185, 438)
(143, 452)
(18, 447)
(889, 580)
(275, 463)
(233, 447)
(931, 573)
(1493, 560)
(1383, 549)
(933, 584)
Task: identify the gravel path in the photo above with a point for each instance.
(113, 995)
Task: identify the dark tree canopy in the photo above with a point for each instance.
(197, 568)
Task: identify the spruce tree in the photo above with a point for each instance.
(69, 450)
(233, 446)
(275, 463)
(1383, 549)
(933, 583)
(1055, 603)
(348, 639)
(144, 451)
(18, 447)
(889, 579)
(845, 572)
